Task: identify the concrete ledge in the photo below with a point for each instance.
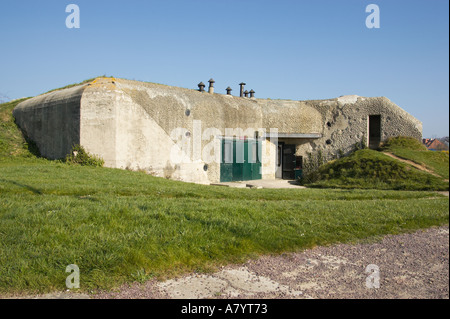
(262, 183)
(293, 135)
(274, 183)
(230, 184)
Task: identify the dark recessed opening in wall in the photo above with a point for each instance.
(205, 168)
(188, 112)
(329, 124)
(188, 134)
(328, 142)
(374, 131)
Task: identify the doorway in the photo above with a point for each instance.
(374, 131)
(241, 160)
(289, 161)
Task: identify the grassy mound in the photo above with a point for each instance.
(371, 169)
(403, 142)
(411, 149)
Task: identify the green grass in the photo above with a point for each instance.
(120, 226)
(415, 151)
(12, 142)
(369, 169)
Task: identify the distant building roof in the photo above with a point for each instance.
(433, 144)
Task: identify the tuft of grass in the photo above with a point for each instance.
(80, 156)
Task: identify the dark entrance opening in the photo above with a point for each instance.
(374, 131)
(289, 161)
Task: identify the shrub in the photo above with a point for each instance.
(81, 157)
(364, 143)
(311, 166)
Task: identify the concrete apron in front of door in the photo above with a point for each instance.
(262, 183)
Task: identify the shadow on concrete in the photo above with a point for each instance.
(31, 145)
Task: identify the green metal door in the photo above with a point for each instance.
(241, 160)
(257, 167)
(247, 166)
(227, 160)
(253, 148)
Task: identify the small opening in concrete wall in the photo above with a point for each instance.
(188, 134)
(374, 131)
(329, 142)
(188, 112)
(329, 124)
(205, 168)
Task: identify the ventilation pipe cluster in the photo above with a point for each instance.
(242, 93)
(201, 86)
(246, 93)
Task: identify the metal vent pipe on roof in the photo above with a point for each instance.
(211, 86)
(242, 89)
(201, 87)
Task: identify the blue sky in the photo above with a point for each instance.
(284, 49)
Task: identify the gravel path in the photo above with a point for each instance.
(412, 265)
(409, 266)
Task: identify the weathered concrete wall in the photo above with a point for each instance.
(98, 124)
(142, 144)
(124, 134)
(269, 165)
(52, 121)
(139, 125)
(219, 115)
(345, 122)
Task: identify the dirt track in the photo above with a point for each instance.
(418, 166)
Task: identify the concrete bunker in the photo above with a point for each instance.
(202, 137)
